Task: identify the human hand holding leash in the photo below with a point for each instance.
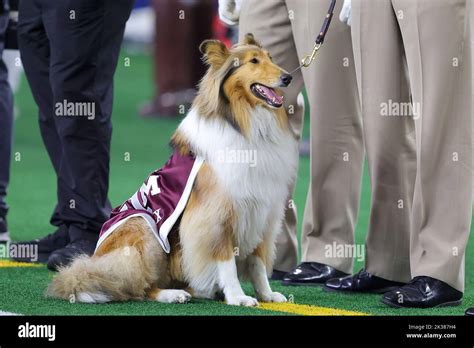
(346, 13)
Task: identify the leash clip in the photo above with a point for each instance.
(308, 59)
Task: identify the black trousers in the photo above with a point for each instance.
(69, 50)
(6, 116)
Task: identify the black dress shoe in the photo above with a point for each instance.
(44, 246)
(470, 312)
(311, 274)
(4, 236)
(65, 256)
(277, 275)
(423, 292)
(362, 282)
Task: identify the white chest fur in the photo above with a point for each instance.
(255, 172)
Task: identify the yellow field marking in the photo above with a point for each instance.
(9, 264)
(300, 309)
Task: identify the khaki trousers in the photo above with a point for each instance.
(431, 37)
(288, 28)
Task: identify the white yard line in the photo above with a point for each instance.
(2, 313)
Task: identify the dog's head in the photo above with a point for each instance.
(238, 80)
(246, 71)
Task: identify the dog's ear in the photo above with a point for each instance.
(250, 40)
(215, 53)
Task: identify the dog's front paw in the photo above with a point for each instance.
(243, 300)
(273, 297)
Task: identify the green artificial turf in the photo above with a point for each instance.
(32, 196)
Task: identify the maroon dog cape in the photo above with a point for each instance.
(160, 200)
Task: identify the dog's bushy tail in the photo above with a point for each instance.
(115, 276)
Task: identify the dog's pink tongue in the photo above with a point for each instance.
(271, 94)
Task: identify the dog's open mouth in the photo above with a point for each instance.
(269, 95)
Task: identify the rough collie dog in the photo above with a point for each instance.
(217, 225)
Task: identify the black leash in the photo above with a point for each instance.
(308, 59)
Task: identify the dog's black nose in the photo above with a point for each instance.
(286, 79)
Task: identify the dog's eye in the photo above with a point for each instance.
(254, 61)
